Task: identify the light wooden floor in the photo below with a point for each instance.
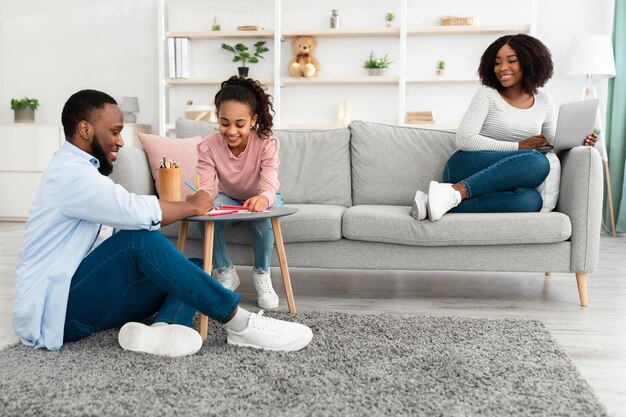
(594, 337)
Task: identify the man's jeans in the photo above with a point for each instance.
(498, 182)
(134, 274)
(262, 237)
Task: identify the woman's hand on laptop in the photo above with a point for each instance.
(591, 140)
(534, 142)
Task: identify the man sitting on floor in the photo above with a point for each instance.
(73, 280)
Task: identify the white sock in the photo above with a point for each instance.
(239, 321)
(159, 324)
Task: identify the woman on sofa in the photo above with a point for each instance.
(496, 168)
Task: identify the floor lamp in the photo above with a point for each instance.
(591, 56)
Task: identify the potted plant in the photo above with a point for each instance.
(241, 54)
(441, 66)
(377, 66)
(215, 26)
(389, 19)
(24, 109)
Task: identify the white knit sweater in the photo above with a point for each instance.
(492, 124)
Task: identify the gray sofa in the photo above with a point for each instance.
(353, 189)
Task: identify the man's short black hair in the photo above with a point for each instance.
(534, 59)
(82, 106)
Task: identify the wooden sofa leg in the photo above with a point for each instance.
(581, 281)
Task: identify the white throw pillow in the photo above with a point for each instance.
(549, 189)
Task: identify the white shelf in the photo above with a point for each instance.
(379, 79)
(441, 79)
(344, 33)
(396, 37)
(172, 82)
(467, 30)
(220, 34)
(434, 126)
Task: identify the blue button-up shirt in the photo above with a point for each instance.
(73, 200)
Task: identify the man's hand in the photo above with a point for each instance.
(201, 201)
(195, 205)
(257, 203)
(535, 142)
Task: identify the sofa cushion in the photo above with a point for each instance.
(181, 150)
(311, 223)
(314, 164)
(131, 170)
(389, 163)
(394, 224)
(186, 128)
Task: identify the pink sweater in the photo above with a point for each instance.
(253, 172)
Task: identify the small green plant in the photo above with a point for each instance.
(374, 62)
(215, 26)
(21, 104)
(389, 17)
(441, 65)
(241, 52)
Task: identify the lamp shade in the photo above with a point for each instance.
(591, 55)
(129, 105)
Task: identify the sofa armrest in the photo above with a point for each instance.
(580, 198)
(131, 171)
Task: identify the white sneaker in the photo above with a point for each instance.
(271, 334)
(267, 297)
(229, 279)
(420, 206)
(441, 199)
(166, 340)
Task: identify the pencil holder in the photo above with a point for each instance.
(169, 184)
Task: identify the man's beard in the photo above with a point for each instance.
(105, 166)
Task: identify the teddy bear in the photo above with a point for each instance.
(304, 64)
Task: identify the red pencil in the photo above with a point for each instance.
(221, 213)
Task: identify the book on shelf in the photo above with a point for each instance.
(178, 57)
(425, 117)
(171, 57)
(421, 122)
(249, 27)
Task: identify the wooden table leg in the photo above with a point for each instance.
(209, 228)
(284, 269)
(182, 236)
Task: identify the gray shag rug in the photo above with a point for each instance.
(356, 365)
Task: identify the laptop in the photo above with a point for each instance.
(576, 121)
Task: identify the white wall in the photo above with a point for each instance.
(49, 50)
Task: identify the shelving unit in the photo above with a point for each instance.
(284, 87)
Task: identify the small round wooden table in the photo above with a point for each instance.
(273, 213)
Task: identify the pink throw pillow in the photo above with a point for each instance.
(182, 150)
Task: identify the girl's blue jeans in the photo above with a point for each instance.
(135, 274)
(498, 182)
(262, 237)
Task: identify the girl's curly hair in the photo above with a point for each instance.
(534, 59)
(251, 92)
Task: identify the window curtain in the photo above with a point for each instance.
(616, 124)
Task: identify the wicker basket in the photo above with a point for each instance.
(458, 21)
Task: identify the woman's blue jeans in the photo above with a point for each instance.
(498, 182)
(262, 237)
(134, 274)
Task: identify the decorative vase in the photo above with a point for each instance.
(243, 71)
(439, 71)
(376, 71)
(26, 115)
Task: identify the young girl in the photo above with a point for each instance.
(496, 169)
(238, 165)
